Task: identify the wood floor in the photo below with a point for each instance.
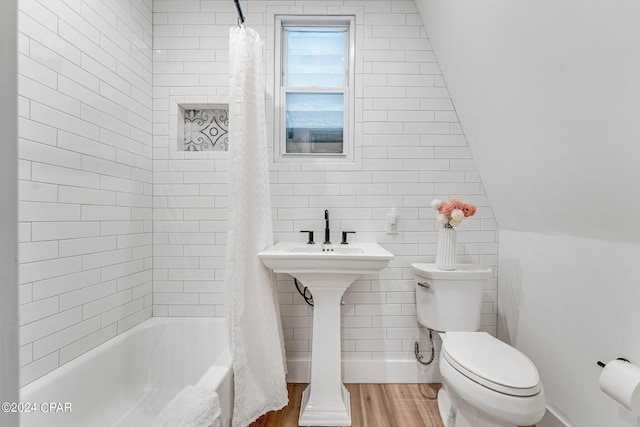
(372, 405)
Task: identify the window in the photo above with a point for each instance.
(314, 88)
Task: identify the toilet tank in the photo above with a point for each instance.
(450, 300)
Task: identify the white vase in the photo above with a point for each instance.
(446, 254)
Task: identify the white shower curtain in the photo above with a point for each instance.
(256, 332)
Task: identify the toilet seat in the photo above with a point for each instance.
(491, 363)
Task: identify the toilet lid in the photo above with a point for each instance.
(491, 363)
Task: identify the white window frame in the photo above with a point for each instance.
(280, 91)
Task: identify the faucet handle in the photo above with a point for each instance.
(344, 237)
(310, 242)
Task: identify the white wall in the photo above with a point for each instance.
(85, 122)
(410, 149)
(190, 59)
(8, 214)
(547, 93)
(568, 302)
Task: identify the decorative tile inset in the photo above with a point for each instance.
(206, 130)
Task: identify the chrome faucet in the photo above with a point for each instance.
(327, 231)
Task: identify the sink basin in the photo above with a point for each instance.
(327, 270)
(355, 258)
(326, 249)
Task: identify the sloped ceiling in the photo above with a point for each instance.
(548, 94)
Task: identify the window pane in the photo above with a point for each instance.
(314, 122)
(315, 58)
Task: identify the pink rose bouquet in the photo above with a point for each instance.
(451, 214)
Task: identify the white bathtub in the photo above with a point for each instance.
(129, 379)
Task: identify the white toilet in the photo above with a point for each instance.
(485, 382)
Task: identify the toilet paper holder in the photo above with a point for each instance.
(620, 380)
(602, 364)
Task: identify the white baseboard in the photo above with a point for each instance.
(371, 371)
(554, 418)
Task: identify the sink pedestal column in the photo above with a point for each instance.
(326, 401)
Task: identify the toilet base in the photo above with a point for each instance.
(446, 409)
(453, 417)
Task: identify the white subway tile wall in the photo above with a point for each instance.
(410, 148)
(85, 148)
(103, 186)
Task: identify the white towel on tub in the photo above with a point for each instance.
(192, 407)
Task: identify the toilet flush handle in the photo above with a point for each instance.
(424, 285)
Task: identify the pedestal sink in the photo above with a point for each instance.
(327, 270)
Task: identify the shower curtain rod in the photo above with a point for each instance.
(240, 14)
